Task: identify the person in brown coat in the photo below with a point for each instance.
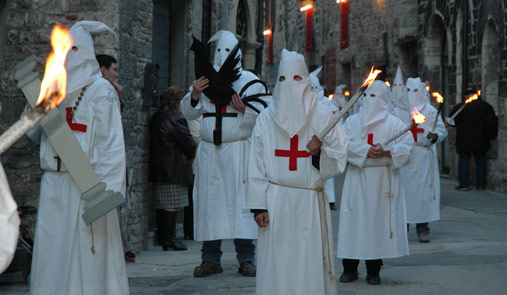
(172, 150)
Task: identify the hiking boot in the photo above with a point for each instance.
(207, 268)
(348, 277)
(423, 237)
(247, 269)
(373, 279)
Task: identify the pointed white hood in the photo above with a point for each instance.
(81, 65)
(417, 94)
(398, 97)
(292, 100)
(226, 41)
(374, 108)
(314, 80)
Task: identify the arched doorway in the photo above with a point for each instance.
(436, 71)
(242, 22)
(490, 73)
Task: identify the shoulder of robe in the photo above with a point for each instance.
(103, 91)
(395, 122)
(321, 113)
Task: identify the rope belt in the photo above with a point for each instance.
(432, 166)
(327, 245)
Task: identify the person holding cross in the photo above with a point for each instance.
(220, 180)
(372, 212)
(287, 169)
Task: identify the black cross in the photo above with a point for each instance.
(220, 112)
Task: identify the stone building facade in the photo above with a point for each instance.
(452, 44)
(151, 45)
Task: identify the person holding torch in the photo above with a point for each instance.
(421, 177)
(372, 212)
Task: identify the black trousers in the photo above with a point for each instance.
(188, 217)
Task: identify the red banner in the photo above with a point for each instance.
(309, 22)
(344, 25)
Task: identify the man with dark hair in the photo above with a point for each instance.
(109, 70)
(476, 125)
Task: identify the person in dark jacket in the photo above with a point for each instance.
(475, 125)
(172, 150)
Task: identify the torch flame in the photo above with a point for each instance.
(473, 97)
(417, 117)
(388, 84)
(306, 7)
(54, 83)
(347, 93)
(330, 97)
(439, 98)
(371, 77)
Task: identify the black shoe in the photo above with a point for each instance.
(247, 269)
(373, 279)
(462, 188)
(348, 277)
(207, 268)
(176, 245)
(332, 206)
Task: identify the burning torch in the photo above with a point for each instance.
(417, 118)
(440, 99)
(450, 120)
(371, 77)
(53, 89)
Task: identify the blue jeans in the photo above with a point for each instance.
(463, 167)
(245, 250)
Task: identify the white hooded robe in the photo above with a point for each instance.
(421, 177)
(220, 171)
(63, 262)
(295, 250)
(9, 223)
(372, 211)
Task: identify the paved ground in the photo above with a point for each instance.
(467, 255)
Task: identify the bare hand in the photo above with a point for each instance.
(117, 87)
(198, 86)
(262, 219)
(237, 103)
(377, 152)
(314, 145)
(432, 136)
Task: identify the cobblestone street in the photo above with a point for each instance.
(467, 255)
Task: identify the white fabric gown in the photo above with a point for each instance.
(329, 185)
(63, 262)
(295, 215)
(367, 215)
(420, 176)
(9, 223)
(220, 171)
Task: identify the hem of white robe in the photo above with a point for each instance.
(423, 220)
(205, 239)
(372, 257)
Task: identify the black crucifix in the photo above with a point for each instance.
(220, 112)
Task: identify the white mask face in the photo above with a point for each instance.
(374, 107)
(293, 96)
(226, 43)
(416, 95)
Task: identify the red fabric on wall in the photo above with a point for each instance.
(309, 22)
(344, 25)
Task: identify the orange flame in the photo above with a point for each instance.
(54, 83)
(306, 7)
(371, 77)
(388, 84)
(473, 97)
(347, 93)
(267, 32)
(330, 97)
(439, 98)
(417, 117)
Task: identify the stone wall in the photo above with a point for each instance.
(27, 28)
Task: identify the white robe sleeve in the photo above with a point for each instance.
(357, 150)
(188, 111)
(257, 182)
(333, 156)
(34, 133)
(109, 142)
(440, 130)
(9, 223)
(402, 146)
(250, 116)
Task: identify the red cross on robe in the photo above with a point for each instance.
(370, 140)
(340, 108)
(74, 126)
(293, 154)
(416, 130)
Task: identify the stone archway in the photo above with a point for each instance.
(437, 58)
(244, 10)
(490, 56)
